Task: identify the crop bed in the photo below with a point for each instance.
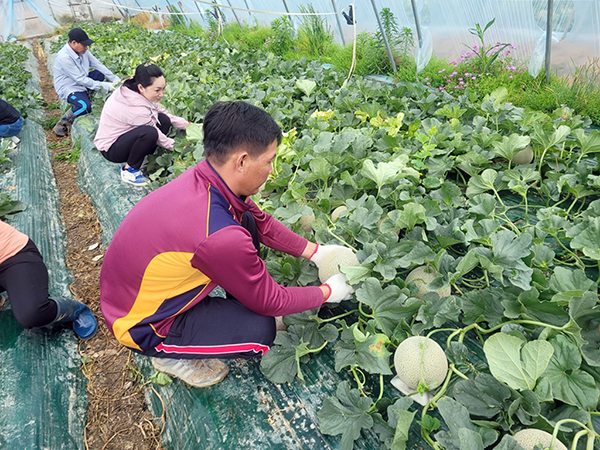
(426, 179)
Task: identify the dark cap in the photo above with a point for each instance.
(78, 35)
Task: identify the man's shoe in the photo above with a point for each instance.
(198, 373)
(133, 176)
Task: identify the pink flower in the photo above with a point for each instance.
(426, 78)
(440, 71)
(454, 73)
(428, 83)
(510, 77)
(467, 74)
(473, 78)
(461, 82)
(460, 79)
(441, 88)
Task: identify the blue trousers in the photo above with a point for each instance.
(81, 100)
(11, 129)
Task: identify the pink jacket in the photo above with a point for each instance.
(125, 110)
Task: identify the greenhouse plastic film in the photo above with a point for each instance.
(43, 397)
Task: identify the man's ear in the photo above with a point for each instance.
(241, 160)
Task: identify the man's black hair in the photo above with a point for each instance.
(229, 125)
(145, 74)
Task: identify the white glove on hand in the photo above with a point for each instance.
(339, 287)
(323, 251)
(108, 87)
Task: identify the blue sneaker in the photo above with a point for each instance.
(133, 176)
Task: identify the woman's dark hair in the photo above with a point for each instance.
(227, 125)
(145, 74)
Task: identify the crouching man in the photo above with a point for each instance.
(199, 231)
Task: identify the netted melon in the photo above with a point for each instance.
(525, 156)
(335, 215)
(331, 263)
(530, 437)
(306, 222)
(420, 360)
(422, 276)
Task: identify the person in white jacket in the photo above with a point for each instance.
(73, 80)
(133, 123)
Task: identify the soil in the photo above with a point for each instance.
(117, 413)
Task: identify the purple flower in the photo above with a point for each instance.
(441, 88)
(440, 71)
(473, 78)
(467, 74)
(428, 83)
(426, 78)
(510, 77)
(460, 79)
(461, 82)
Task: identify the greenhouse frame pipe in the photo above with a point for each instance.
(385, 41)
(52, 11)
(250, 13)
(417, 22)
(119, 9)
(235, 15)
(549, 38)
(288, 11)
(199, 11)
(339, 24)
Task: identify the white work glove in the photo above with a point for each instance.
(108, 87)
(339, 288)
(322, 251)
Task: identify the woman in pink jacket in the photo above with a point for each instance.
(133, 123)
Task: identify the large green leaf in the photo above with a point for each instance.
(388, 304)
(517, 364)
(569, 384)
(585, 311)
(588, 240)
(346, 413)
(461, 430)
(483, 396)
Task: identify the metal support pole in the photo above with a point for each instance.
(250, 14)
(199, 10)
(288, 11)
(549, 38)
(119, 9)
(417, 22)
(51, 10)
(385, 41)
(337, 18)
(235, 15)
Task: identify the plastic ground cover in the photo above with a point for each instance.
(43, 396)
(245, 410)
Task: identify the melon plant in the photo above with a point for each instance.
(419, 360)
(332, 262)
(530, 437)
(422, 276)
(525, 156)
